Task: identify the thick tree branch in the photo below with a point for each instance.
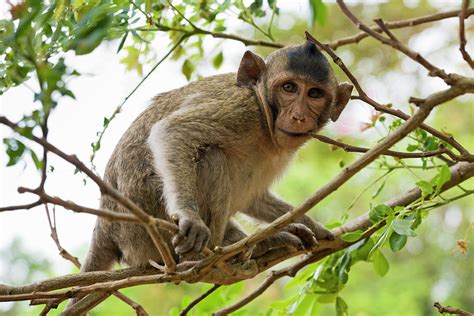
(105, 280)
(460, 172)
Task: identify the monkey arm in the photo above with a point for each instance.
(267, 207)
(176, 143)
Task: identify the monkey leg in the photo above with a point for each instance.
(233, 234)
(103, 252)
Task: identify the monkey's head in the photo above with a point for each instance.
(297, 90)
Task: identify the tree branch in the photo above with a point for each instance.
(398, 25)
(20, 207)
(464, 83)
(185, 311)
(105, 188)
(462, 34)
(397, 154)
(88, 282)
(451, 310)
(460, 172)
(394, 43)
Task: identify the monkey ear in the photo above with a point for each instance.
(343, 94)
(250, 70)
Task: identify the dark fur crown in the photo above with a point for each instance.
(308, 61)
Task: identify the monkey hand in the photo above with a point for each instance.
(318, 230)
(193, 234)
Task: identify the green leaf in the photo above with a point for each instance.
(217, 61)
(318, 12)
(327, 298)
(307, 305)
(443, 177)
(425, 187)
(380, 188)
(15, 150)
(397, 241)
(430, 143)
(131, 61)
(38, 163)
(411, 148)
(352, 236)
(380, 263)
(187, 69)
(379, 213)
(341, 307)
(122, 42)
(403, 227)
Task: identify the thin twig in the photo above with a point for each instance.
(185, 311)
(139, 310)
(398, 25)
(394, 43)
(397, 154)
(54, 235)
(451, 310)
(20, 207)
(462, 34)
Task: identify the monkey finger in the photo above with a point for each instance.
(282, 239)
(304, 234)
(200, 242)
(317, 228)
(187, 244)
(323, 233)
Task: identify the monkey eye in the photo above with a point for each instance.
(315, 93)
(289, 87)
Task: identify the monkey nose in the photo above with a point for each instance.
(298, 117)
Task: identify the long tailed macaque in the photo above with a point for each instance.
(211, 149)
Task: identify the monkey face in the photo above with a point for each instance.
(299, 86)
(301, 109)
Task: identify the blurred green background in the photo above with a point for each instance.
(430, 268)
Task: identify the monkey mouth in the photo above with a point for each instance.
(295, 134)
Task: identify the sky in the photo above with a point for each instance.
(103, 85)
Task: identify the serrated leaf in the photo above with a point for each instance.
(380, 263)
(217, 61)
(352, 236)
(403, 227)
(397, 241)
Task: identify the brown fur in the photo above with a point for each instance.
(204, 152)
